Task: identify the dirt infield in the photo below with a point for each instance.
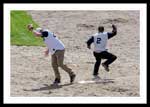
(32, 74)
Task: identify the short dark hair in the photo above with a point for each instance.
(100, 28)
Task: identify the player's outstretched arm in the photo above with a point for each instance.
(31, 28)
(113, 33)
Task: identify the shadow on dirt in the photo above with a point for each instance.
(57, 86)
(48, 87)
(105, 81)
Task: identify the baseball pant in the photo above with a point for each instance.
(103, 55)
(57, 61)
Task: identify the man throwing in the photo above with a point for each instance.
(100, 52)
(57, 50)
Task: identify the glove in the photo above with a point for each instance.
(30, 27)
(113, 26)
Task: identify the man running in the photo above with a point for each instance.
(57, 50)
(100, 52)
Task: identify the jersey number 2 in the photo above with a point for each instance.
(98, 40)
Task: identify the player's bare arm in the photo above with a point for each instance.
(47, 52)
(37, 34)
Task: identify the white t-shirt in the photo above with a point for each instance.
(53, 43)
(100, 41)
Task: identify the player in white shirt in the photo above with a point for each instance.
(57, 50)
(100, 52)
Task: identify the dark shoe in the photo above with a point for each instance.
(56, 81)
(105, 66)
(95, 74)
(72, 77)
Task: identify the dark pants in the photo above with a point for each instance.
(103, 55)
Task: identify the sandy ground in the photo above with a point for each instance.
(32, 74)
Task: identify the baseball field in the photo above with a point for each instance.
(32, 73)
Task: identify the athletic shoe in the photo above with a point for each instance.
(105, 66)
(56, 81)
(96, 77)
(72, 77)
(95, 74)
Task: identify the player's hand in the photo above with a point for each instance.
(46, 53)
(30, 27)
(113, 26)
(88, 47)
